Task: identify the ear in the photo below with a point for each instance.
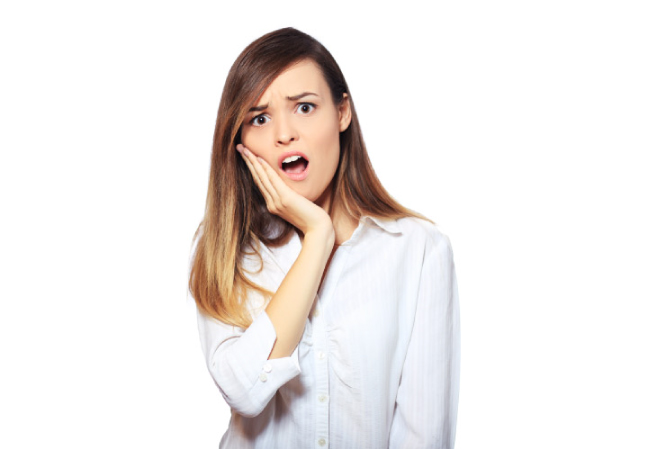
(345, 113)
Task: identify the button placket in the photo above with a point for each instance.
(322, 382)
(320, 345)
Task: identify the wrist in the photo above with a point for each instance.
(324, 234)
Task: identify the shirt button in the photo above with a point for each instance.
(267, 368)
(263, 377)
(316, 313)
(321, 355)
(322, 442)
(322, 398)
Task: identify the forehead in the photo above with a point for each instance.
(304, 76)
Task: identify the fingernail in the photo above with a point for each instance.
(238, 147)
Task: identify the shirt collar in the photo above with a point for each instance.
(389, 225)
(285, 256)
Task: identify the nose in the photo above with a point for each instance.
(285, 132)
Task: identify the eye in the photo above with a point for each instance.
(306, 108)
(260, 120)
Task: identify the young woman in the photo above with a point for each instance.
(328, 312)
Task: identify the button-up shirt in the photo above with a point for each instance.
(378, 362)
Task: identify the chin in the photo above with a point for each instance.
(313, 193)
(311, 196)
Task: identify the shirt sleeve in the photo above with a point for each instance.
(427, 398)
(237, 361)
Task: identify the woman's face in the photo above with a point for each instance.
(295, 127)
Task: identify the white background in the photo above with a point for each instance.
(522, 130)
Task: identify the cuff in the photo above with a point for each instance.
(263, 377)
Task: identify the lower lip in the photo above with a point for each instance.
(298, 176)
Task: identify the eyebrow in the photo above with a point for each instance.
(292, 98)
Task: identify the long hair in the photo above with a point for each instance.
(236, 217)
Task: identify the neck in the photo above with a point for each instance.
(325, 199)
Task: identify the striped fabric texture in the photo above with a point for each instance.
(378, 363)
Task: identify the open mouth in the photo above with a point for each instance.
(295, 165)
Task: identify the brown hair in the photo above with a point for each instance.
(236, 216)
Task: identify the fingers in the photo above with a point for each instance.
(276, 182)
(260, 175)
(256, 178)
(261, 164)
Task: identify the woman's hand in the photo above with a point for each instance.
(283, 201)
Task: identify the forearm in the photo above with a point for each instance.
(290, 306)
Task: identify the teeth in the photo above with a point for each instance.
(291, 159)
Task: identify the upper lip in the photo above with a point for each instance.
(291, 153)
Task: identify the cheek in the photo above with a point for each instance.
(249, 139)
(327, 136)
(256, 142)
(330, 147)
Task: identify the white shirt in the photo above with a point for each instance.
(378, 363)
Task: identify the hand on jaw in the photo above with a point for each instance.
(283, 201)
